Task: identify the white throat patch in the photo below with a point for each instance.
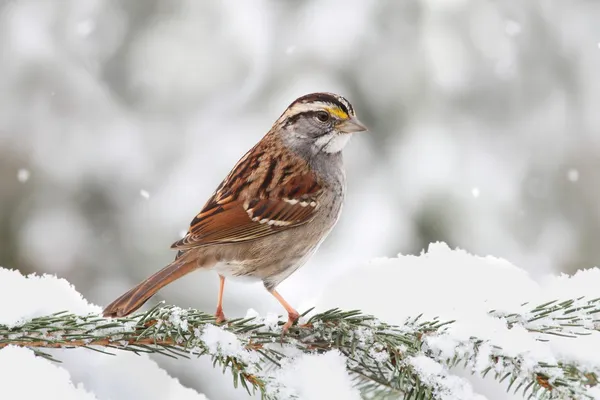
(333, 143)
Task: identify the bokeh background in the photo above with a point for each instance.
(119, 118)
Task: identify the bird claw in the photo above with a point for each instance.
(292, 317)
(220, 317)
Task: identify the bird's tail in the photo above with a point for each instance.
(136, 297)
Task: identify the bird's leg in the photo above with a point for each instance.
(219, 313)
(292, 314)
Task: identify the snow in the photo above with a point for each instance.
(83, 374)
(271, 321)
(124, 376)
(475, 192)
(450, 284)
(179, 320)
(449, 387)
(443, 283)
(317, 377)
(226, 343)
(19, 367)
(573, 175)
(454, 285)
(20, 297)
(23, 175)
(145, 194)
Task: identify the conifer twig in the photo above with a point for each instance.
(384, 359)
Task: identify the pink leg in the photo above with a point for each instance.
(292, 314)
(219, 314)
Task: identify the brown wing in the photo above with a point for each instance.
(261, 196)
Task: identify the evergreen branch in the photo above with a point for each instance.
(569, 318)
(385, 360)
(539, 380)
(169, 331)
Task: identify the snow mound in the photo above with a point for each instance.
(454, 285)
(317, 377)
(19, 367)
(441, 283)
(26, 297)
(83, 374)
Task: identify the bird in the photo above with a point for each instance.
(272, 211)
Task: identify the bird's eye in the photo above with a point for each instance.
(323, 116)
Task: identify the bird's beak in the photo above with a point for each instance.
(351, 125)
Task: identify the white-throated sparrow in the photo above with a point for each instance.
(272, 211)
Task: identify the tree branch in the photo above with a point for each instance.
(381, 357)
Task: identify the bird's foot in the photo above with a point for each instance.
(220, 316)
(292, 317)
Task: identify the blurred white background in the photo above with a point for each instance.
(119, 119)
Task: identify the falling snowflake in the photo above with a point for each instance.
(475, 192)
(144, 194)
(23, 175)
(573, 175)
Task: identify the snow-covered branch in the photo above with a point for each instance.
(408, 360)
(539, 339)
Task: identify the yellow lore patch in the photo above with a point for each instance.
(338, 112)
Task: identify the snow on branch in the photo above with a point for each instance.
(411, 360)
(422, 320)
